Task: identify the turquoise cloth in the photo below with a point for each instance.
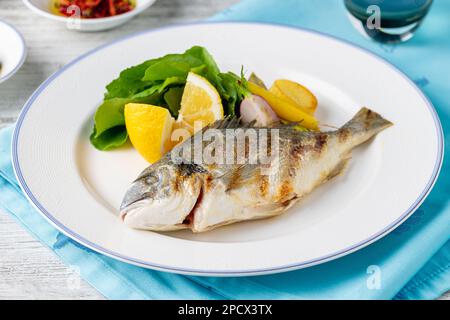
(410, 263)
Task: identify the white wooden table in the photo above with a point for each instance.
(28, 270)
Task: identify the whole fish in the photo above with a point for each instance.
(180, 191)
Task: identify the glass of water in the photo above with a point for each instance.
(388, 21)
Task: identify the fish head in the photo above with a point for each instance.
(162, 197)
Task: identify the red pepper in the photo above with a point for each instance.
(112, 9)
(95, 8)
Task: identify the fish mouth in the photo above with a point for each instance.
(142, 211)
(188, 219)
(125, 206)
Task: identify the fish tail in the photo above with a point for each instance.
(364, 125)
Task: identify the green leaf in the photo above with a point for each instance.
(212, 70)
(173, 99)
(233, 91)
(129, 82)
(109, 115)
(160, 87)
(109, 139)
(160, 82)
(171, 66)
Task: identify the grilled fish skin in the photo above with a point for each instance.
(180, 192)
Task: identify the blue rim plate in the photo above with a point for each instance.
(23, 176)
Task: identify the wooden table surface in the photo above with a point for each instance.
(28, 270)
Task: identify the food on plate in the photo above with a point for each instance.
(161, 82)
(296, 94)
(90, 9)
(284, 108)
(257, 80)
(149, 128)
(255, 108)
(200, 102)
(182, 192)
(223, 148)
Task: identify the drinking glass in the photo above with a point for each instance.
(388, 21)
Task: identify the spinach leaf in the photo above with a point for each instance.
(211, 70)
(109, 139)
(160, 82)
(171, 66)
(160, 87)
(129, 82)
(173, 99)
(233, 91)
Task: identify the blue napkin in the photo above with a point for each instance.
(410, 263)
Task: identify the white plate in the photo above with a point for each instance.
(12, 51)
(79, 189)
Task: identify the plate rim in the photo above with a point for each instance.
(23, 54)
(293, 266)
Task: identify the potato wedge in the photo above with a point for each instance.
(284, 108)
(295, 93)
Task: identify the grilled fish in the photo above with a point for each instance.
(180, 191)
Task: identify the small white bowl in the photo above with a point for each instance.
(12, 51)
(42, 7)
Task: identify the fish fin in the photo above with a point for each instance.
(363, 126)
(235, 123)
(230, 123)
(368, 121)
(187, 168)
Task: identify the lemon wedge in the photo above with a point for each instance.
(149, 128)
(200, 104)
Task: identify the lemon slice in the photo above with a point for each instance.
(200, 104)
(149, 128)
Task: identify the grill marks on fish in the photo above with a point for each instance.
(314, 144)
(321, 142)
(263, 186)
(187, 169)
(208, 182)
(204, 196)
(343, 134)
(369, 117)
(234, 179)
(285, 191)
